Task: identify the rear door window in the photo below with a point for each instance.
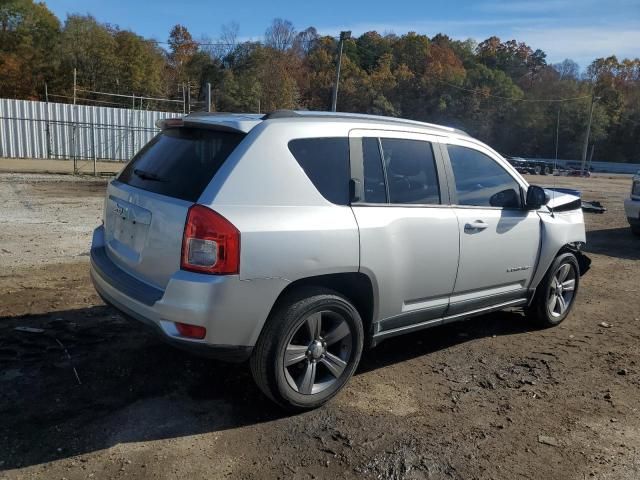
(326, 163)
(411, 171)
(180, 162)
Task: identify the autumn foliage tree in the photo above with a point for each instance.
(501, 91)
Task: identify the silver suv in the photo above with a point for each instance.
(296, 239)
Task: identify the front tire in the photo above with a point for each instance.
(557, 292)
(309, 348)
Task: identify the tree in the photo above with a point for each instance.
(496, 90)
(140, 65)
(90, 48)
(567, 69)
(280, 35)
(182, 48)
(412, 49)
(29, 33)
(305, 41)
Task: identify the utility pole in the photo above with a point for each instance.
(334, 102)
(184, 100)
(585, 146)
(557, 133)
(593, 147)
(48, 128)
(75, 126)
(208, 97)
(93, 142)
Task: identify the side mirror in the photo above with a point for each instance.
(536, 197)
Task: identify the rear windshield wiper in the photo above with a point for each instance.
(148, 175)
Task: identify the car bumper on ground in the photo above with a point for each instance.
(632, 210)
(232, 310)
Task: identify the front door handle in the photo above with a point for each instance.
(475, 226)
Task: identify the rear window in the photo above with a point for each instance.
(326, 163)
(180, 162)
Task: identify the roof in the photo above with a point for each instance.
(300, 114)
(244, 122)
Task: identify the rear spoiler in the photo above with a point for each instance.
(166, 123)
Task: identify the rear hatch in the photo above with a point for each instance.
(147, 204)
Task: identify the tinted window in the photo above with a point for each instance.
(411, 171)
(481, 181)
(326, 163)
(374, 186)
(180, 162)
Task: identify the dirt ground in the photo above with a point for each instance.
(490, 398)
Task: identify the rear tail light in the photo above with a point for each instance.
(210, 244)
(191, 331)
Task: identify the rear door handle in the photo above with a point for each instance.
(475, 226)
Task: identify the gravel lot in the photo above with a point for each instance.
(488, 398)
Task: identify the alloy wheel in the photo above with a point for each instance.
(318, 352)
(562, 290)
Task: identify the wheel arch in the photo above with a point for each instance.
(560, 232)
(575, 248)
(357, 287)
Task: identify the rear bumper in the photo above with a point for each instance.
(232, 310)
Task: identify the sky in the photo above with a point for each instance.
(578, 29)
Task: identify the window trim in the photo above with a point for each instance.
(384, 169)
(453, 194)
(357, 164)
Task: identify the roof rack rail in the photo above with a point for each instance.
(281, 114)
(356, 116)
(207, 114)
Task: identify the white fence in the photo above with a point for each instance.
(31, 129)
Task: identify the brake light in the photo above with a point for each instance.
(210, 244)
(191, 331)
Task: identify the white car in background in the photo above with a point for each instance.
(632, 205)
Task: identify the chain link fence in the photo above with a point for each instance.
(78, 133)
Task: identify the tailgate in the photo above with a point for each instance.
(147, 205)
(143, 232)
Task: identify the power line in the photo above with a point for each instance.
(85, 99)
(513, 99)
(129, 96)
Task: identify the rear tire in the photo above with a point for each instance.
(308, 349)
(537, 170)
(557, 292)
